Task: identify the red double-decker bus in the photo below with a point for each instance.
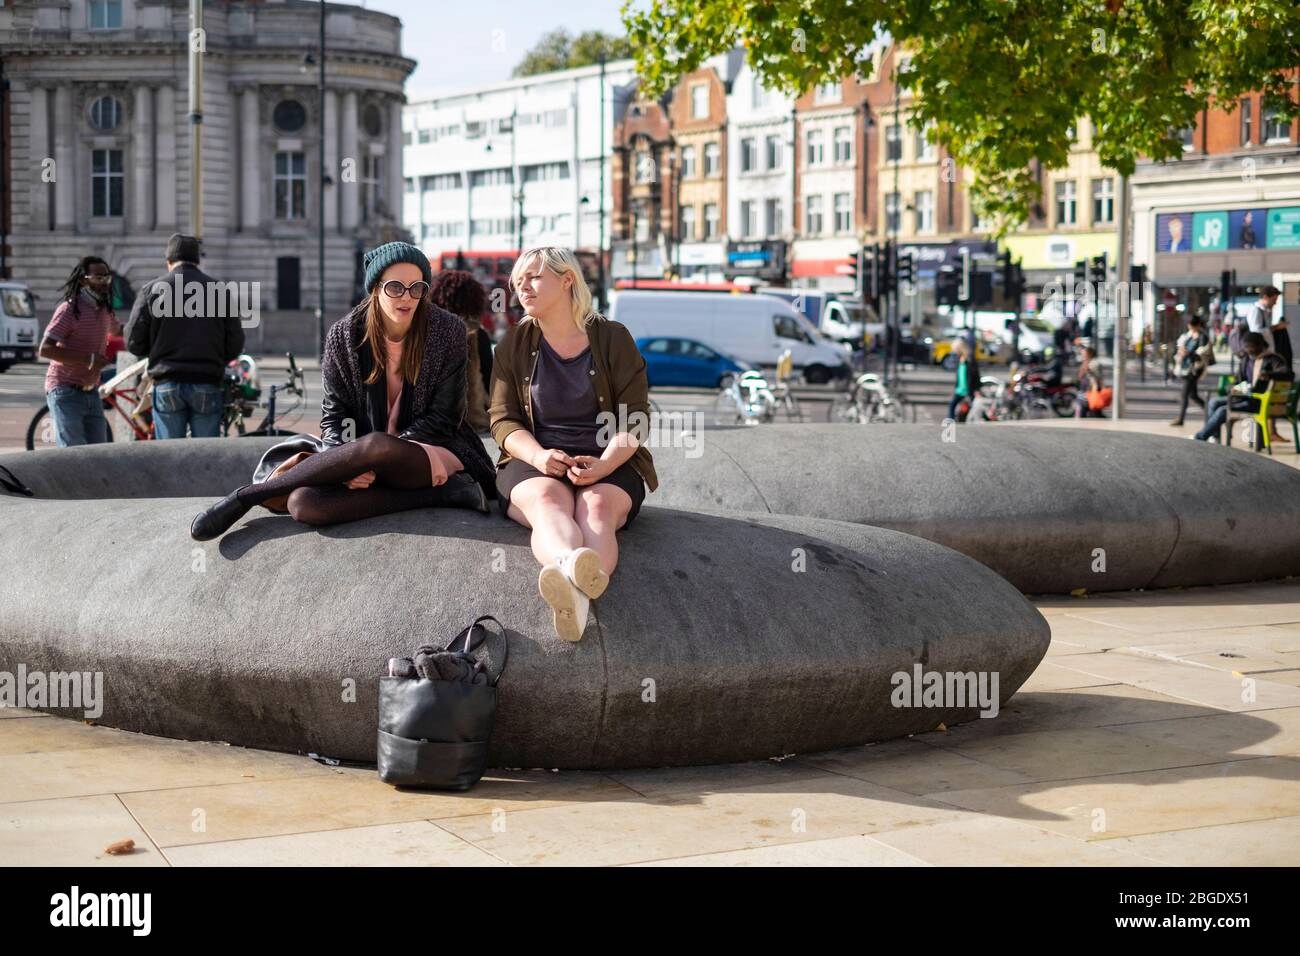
(492, 268)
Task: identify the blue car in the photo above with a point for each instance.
(685, 362)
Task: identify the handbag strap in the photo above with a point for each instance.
(476, 636)
(13, 484)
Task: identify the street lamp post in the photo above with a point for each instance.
(197, 44)
(516, 184)
(600, 245)
(1121, 306)
(891, 323)
(320, 205)
(636, 255)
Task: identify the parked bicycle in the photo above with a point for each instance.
(868, 400)
(126, 399)
(745, 399)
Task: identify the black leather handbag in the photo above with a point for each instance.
(436, 715)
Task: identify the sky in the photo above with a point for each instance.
(456, 48)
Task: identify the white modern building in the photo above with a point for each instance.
(761, 160)
(513, 164)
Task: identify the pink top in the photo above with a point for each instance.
(87, 331)
(393, 376)
(393, 373)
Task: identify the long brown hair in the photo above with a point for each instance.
(412, 345)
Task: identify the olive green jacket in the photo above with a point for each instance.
(618, 374)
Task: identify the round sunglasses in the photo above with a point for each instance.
(395, 290)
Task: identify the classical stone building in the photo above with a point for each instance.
(99, 157)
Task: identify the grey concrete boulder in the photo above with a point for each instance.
(720, 638)
(1043, 507)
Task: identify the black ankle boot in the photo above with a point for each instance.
(461, 491)
(217, 520)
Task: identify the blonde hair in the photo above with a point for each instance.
(561, 262)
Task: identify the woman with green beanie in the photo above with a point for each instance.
(393, 416)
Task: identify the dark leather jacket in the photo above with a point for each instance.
(618, 375)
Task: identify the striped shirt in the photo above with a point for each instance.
(85, 331)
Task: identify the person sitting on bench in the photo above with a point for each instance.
(1261, 366)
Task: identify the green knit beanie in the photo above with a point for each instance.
(390, 253)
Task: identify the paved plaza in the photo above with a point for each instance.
(1162, 728)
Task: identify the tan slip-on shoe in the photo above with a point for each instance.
(568, 605)
(582, 567)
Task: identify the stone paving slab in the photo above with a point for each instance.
(1129, 746)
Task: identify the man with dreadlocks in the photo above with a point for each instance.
(74, 344)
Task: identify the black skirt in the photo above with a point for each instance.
(624, 476)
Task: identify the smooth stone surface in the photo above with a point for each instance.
(195, 467)
(709, 646)
(1038, 506)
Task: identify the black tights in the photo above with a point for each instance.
(315, 485)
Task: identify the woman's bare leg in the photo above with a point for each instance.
(546, 506)
(601, 509)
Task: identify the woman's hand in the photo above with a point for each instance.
(363, 480)
(438, 473)
(552, 462)
(587, 470)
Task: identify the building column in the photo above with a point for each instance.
(250, 156)
(396, 187)
(142, 158)
(330, 130)
(38, 151)
(167, 183)
(350, 186)
(65, 207)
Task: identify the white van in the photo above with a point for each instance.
(18, 325)
(754, 329)
(839, 317)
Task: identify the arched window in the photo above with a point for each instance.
(105, 114)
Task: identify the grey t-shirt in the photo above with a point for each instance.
(564, 401)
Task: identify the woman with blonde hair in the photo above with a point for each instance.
(570, 406)
(393, 426)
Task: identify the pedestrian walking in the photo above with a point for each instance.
(75, 344)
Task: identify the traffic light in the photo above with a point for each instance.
(1080, 272)
(1015, 287)
(855, 271)
(1226, 284)
(947, 286)
(883, 272)
(905, 269)
(1097, 269)
(981, 288)
(1137, 275)
(1004, 266)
